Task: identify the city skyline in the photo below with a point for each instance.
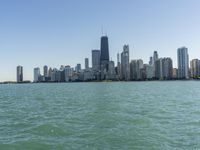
(104, 69)
(35, 33)
(157, 68)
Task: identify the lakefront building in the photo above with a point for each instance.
(194, 68)
(87, 63)
(125, 66)
(96, 60)
(37, 74)
(19, 74)
(104, 57)
(183, 63)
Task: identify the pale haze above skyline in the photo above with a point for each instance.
(34, 33)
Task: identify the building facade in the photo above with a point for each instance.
(86, 63)
(125, 66)
(183, 63)
(195, 68)
(19, 74)
(37, 75)
(104, 57)
(96, 60)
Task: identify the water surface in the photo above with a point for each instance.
(117, 115)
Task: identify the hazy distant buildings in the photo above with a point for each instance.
(104, 58)
(183, 63)
(125, 66)
(19, 74)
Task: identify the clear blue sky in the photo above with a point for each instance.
(34, 33)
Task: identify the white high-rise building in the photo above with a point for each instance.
(68, 73)
(183, 63)
(36, 74)
(111, 70)
(125, 66)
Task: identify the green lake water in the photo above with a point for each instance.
(163, 115)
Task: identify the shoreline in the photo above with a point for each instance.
(105, 81)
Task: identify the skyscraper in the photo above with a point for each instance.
(50, 72)
(195, 68)
(36, 74)
(78, 68)
(125, 66)
(19, 74)
(111, 70)
(164, 68)
(167, 68)
(148, 71)
(68, 73)
(151, 60)
(104, 49)
(155, 56)
(45, 69)
(133, 71)
(96, 60)
(86, 63)
(139, 67)
(158, 68)
(118, 66)
(183, 63)
(104, 58)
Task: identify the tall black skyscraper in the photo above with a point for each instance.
(104, 48)
(104, 59)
